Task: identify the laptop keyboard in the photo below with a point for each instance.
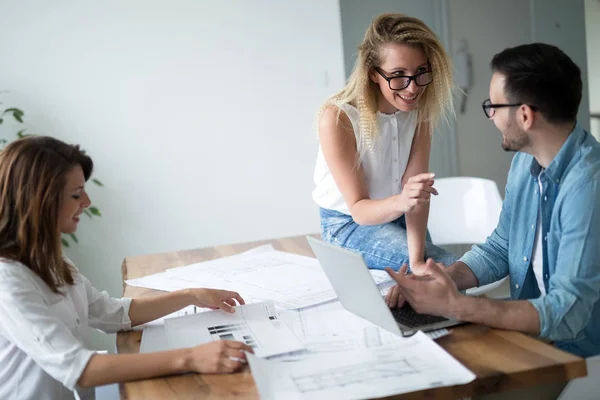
(407, 316)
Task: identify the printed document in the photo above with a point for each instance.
(257, 325)
(412, 364)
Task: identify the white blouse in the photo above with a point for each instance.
(42, 345)
(383, 165)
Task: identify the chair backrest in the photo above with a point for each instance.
(466, 211)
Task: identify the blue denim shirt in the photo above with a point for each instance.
(570, 213)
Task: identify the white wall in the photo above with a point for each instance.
(484, 24)
(199, 115)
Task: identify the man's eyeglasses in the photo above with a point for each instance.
(401, 82)
(489, 108)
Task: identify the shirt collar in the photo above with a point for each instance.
(564, 156)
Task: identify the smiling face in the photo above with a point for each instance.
(513, 137)
(74, 200)
(399, 60)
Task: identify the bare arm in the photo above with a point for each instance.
(416, 220)
(518, 315)
(437, 294)
(462, 275)
(338, 144)
(221, 356)
(147, 309)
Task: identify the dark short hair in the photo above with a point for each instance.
(541, 75)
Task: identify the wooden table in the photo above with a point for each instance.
(501, 360)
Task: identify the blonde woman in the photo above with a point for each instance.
(372, 172)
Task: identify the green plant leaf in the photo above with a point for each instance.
(89, 214)
(1, 121)
(20, 134)
(64, 242)
(97, 182)
(17, 113)
(95, 211)
(74, 237)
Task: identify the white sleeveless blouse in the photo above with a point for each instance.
(383, 165)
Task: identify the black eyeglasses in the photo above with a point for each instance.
(489, 108)
(401, 82)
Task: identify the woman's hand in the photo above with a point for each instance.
(417, 190)
(218, 357)
(216, 299)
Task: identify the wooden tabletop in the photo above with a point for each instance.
(501, 360)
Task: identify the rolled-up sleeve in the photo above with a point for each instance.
(28, 323)
(489, 261)
(574, 287)
(106, 313)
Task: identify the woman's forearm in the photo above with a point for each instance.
(103, 369)
(416, 231)
(147, 309)
(376, 212)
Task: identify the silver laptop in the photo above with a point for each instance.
(352, 282)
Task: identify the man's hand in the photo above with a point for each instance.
(394, 298)
(432, 293)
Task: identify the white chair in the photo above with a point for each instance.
(585, 388)
(466, 212)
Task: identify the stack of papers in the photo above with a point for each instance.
(305, 343)
(253, 324)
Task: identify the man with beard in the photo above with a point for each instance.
(548, 236)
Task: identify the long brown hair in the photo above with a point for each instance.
(32, 179)
(360, 91)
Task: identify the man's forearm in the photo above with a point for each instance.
(518, 315)
(462, 275)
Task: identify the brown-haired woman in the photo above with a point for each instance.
(46, 304)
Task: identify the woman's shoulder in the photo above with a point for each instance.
(13, 272)
(335, 122)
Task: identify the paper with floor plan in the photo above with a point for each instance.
(290, 280)
(329, 328)
(415, 363)
(258, 325)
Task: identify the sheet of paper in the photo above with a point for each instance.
(329, 328)
(415, 363)
(258, 325)
(291, 281)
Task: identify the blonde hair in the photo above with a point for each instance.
(435, 103)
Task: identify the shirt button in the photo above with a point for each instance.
(535, 191)
(524, 258)
(546, 276)
(394, 138)
(516, 286)
(545, 198)
(395, 160)
(532, 226)
(545, 237)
